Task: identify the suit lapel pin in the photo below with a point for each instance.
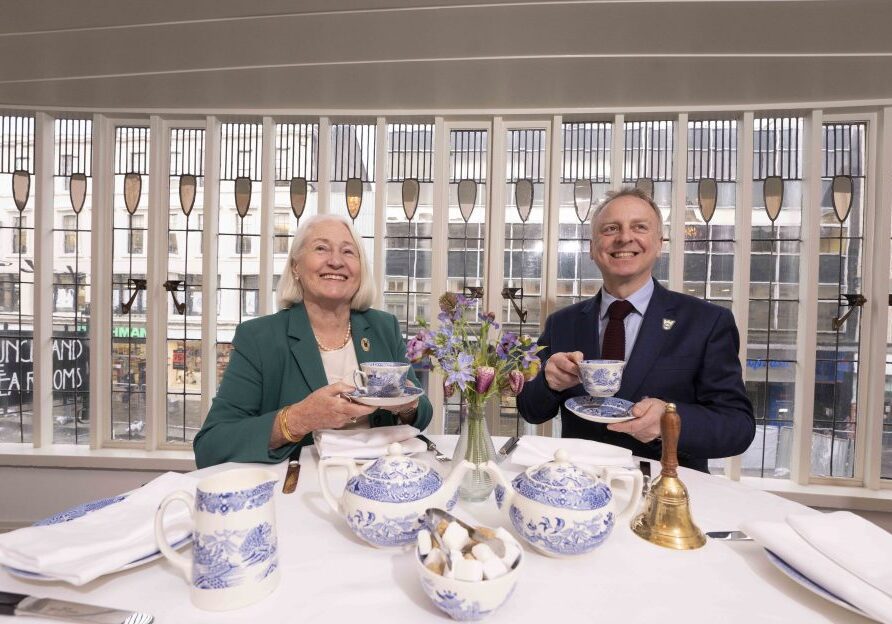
(668, 323)
(365, 344)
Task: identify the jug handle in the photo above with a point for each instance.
(626, 474)
(492, 469)
(180, 562)
(324, 465)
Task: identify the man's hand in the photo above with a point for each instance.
(646, 425)
(562, 370)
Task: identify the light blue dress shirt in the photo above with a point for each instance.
(632, 323)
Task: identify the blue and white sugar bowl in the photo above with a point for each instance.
(385, 501)
(563, 509)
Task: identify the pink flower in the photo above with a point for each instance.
(485, 375)
(448, 389)
(515, 381)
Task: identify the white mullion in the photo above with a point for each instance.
(679, 202)
(494, 254)
(156, 274)
(267, 215)
(210, 231)
(617, 157)
(382, 175)
(806, 338)
(439, 254)
(877, 304)
(551, 225)
(743, 246)
(100, 331)
(324, 166)
(42, 339)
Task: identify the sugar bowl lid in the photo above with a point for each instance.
(562, 484)
(395, 478)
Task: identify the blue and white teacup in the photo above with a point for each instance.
(601, 378)
(235, 560)
(381, 379)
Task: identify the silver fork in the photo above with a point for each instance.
(433, 448)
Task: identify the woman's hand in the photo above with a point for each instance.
(326, 408)
(406, 413)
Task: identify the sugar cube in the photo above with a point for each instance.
(467, 570)
(505, 535)
(435, 556)
(456, 536)
(494, 568)
(482, 552)
(512, 554)
(424, 542)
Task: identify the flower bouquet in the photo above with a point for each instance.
(479, 370)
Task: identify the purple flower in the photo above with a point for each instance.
(506, 344)
(485, 375)
(459, 371)
(417, 348)
(448, 389)
(515, 381)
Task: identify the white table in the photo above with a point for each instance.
(329, 575)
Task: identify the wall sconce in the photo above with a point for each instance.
(298, 194)
(582, 196)
(132, 191)
(188, 183)
(353, 194)
(411, 190)
(77, 191)
(855, 301)
(707, 194)
(243, 189)
(773, 195)
(474, 292)
(646, 186)
(842, 187)
(138, 285)
(467, 198)
(172, 286)
(523, 198)
(511, 295)
(21, 188)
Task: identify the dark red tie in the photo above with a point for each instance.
(615, 334)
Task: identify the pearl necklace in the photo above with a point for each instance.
(347, 336)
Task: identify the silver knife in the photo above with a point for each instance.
(293, 472)
(509, 446)
(20, 604)
(729, 536)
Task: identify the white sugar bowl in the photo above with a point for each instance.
(384, 503)
(562, 509)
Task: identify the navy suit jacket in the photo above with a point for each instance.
(692, 363)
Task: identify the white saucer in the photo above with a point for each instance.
(409, 394)
(600, 409)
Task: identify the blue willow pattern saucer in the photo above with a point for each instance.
(600, 409)
(410, 393)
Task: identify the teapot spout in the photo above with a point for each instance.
(503, 490)
(453, 481)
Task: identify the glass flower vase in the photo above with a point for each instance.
(475, 445)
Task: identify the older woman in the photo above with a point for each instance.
(289, 371)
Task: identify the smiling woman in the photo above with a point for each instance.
(289, 372)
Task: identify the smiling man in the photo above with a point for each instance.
(677, 348)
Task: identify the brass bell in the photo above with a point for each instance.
(666, 518)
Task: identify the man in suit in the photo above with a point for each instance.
(677, 348)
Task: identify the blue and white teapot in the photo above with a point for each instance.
(562, 509)
(384, 503)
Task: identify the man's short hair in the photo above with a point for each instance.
(629, 191)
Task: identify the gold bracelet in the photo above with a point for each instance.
(283, 425)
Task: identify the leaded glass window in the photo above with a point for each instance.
(353, 178)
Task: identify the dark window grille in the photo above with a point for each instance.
(586, 151)
(297, 151)
(353, 152)
(468, 155)
(411, 152)
(16, 143)
(648, 151)
(712, 150)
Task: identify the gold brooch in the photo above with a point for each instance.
(365, 344)
(668, 323)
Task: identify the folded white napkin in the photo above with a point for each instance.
(101, 541)
(533, 450)
(829, 572)
(366, 443)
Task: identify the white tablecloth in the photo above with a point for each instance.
(329, 575)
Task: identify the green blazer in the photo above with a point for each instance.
(275, 362)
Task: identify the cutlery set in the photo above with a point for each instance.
(21, 604)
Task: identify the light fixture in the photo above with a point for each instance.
(243, 187)
(523, 198)
(132, 191)
(77, 191)
(773, 194)
(467, 198)
(646, 186)
(188, 184)
(582, 195)
(707, 193)
(411, 190)
(842, 187)
(298, 194)
(21, 188)
(353, 195)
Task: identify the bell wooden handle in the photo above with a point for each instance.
(670, 427)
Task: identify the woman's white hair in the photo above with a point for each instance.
(289, 291)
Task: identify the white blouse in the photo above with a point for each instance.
(339, 366)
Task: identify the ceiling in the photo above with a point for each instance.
(391, 56)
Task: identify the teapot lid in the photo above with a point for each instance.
(395, 478)
(562, 484)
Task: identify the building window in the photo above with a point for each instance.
(69, 241)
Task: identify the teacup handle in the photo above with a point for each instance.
(360, 380)
(637, 479)
(181, 562)
(324, 465)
